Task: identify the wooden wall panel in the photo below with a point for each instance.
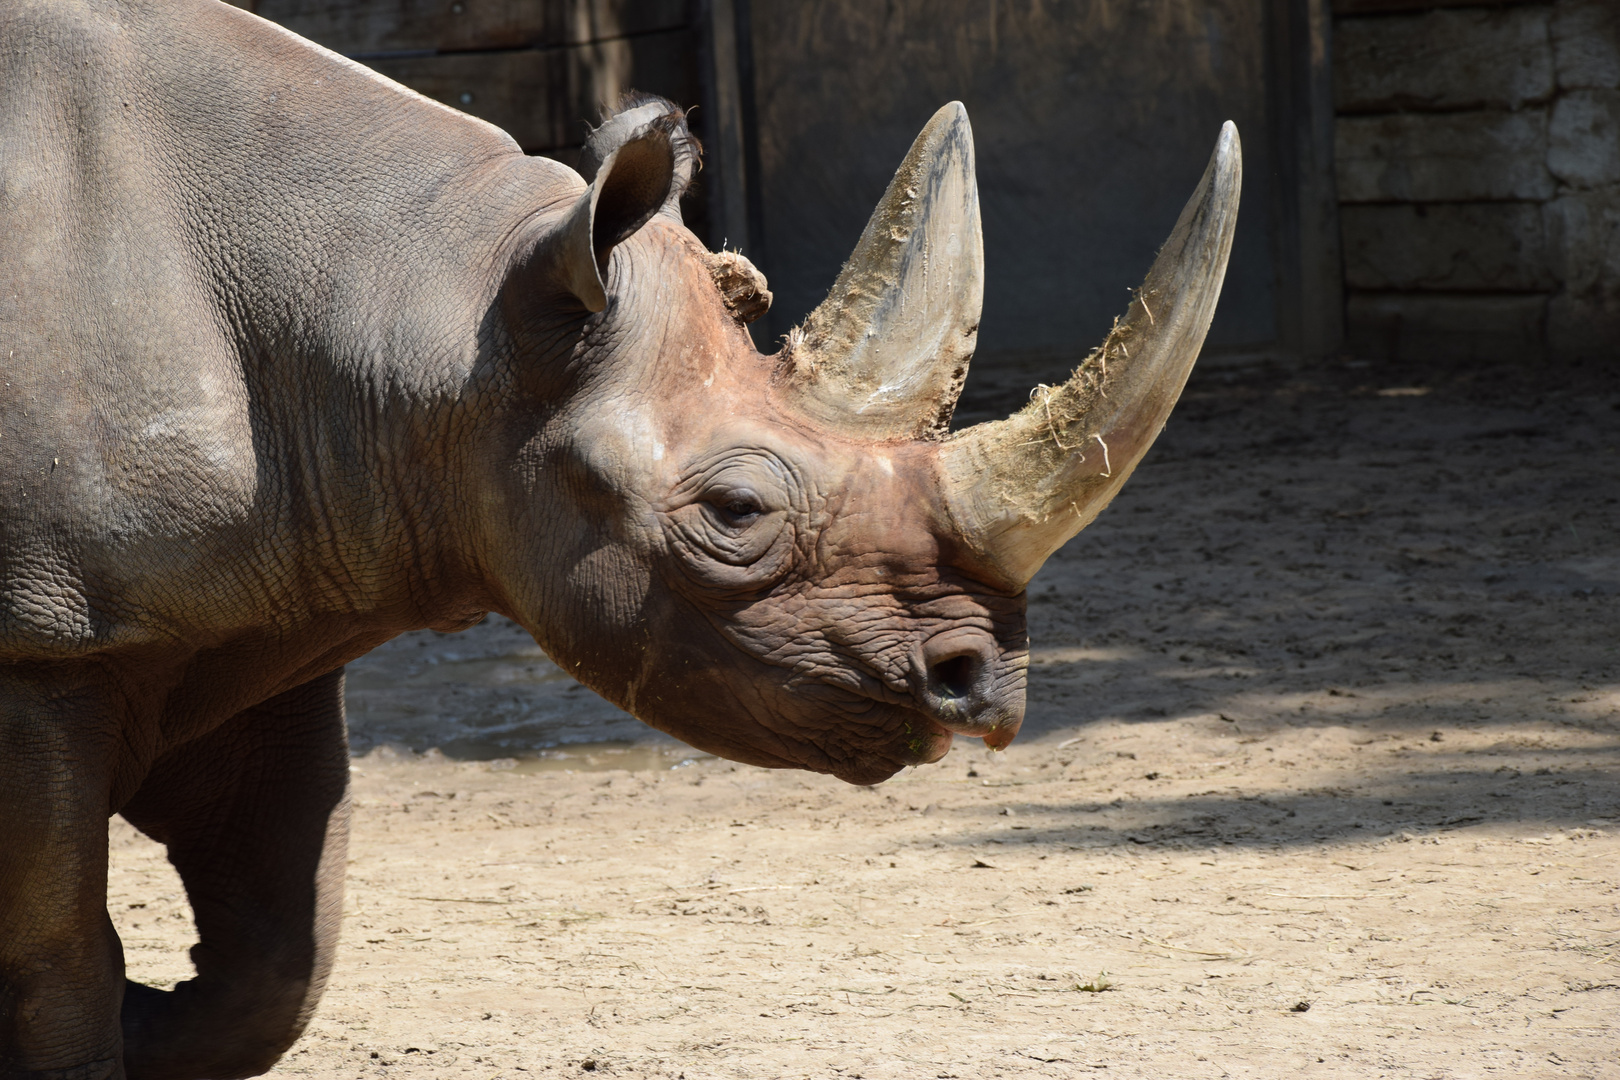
(1093, 122)
(541, 70)
(1385, 7)
(384, 26)
(543, 97)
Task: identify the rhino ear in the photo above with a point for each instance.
(631, 185)
(635, 111)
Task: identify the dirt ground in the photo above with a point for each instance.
(1319, 778)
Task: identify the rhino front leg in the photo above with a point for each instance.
(61, 965)
(256, 819)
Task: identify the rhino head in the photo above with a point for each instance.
(790, 560)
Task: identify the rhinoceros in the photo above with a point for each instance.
(298, 360)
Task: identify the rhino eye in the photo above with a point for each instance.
(734, 527)
(742, 508)
(739, 507)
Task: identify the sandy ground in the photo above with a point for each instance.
(1319, 778)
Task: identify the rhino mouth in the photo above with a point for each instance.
(920, 742)
(862, 735)
(919, 726)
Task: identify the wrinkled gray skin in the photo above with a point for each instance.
(296, 361)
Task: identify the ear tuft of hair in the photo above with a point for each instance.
(634, 112)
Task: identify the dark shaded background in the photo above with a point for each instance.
(1092, 121)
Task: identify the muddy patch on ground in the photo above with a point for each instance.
(1319, 777)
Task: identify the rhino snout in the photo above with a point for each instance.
(961, 682)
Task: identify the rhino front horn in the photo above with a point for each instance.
(886, 353)
(1019, 488)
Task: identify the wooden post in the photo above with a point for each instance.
(1310, 287)
(1322, 325)
(726, 169)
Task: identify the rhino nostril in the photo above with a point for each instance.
(956, 676)
(957, 670)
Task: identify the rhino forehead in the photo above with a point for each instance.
(635, 436)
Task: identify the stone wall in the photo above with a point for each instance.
(1478, 169)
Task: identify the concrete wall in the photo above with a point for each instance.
(1478, 169)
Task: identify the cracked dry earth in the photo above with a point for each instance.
(1319, 779)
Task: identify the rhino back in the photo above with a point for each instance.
(222, 248)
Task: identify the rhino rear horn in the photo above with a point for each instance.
(631, 185)
(886, 353)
